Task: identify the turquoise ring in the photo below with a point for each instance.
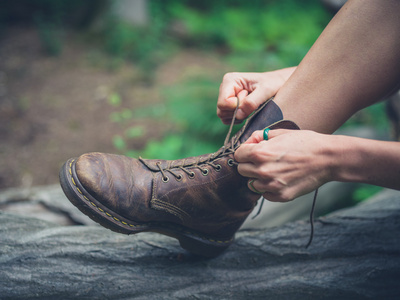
(265, 134)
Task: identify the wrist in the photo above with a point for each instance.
(285, 73)
(349, 159)
(272, 81)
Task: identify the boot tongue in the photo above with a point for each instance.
(267, 114)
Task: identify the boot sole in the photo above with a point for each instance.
(190, 240)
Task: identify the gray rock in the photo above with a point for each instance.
(46, 203)
(355, 255)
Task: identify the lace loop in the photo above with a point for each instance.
(227, 149)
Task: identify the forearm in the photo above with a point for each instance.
(365, 161)
(354, 63)
(284, 74)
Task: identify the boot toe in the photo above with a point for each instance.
(113, 180)
(91, 170)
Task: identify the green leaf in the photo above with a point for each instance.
(134, 132)
(114, 99)
(119, 142)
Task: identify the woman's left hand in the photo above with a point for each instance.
(290, 164)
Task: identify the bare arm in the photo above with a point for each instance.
(293, 163)
(353, 64)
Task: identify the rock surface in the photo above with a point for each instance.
(355, 255)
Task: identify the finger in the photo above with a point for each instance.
(251, 103)
(228, 89)
(273, 133)
(230, 103)
(258, 187)
(226, 105)
(243, 153)
(252, 185)
(242, 95)
(247, 170)
(258, 135)
(226, 117)
(226, 113)
(255, 138)
(271, 194)
(232, 84)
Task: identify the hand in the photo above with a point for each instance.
(252, 89)
(290, 164)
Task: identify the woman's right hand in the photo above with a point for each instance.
(251, 89)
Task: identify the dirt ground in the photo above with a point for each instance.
(54, 108)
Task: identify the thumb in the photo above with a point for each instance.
(258, 135)
(230, 103)
(251, 103)
(235, 101)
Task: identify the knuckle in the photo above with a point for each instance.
(222, 106)
(249, 103)
(286, 195)
(264, 173)
(229, 76)
(274, 186)
(226, 77)
(257, 154)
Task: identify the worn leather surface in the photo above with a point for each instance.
(204, 193)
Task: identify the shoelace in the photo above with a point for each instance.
(228, 148)
(311, 216)
(263, 199)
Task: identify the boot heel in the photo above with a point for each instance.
(203, 248)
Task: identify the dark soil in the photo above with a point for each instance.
(54, 108)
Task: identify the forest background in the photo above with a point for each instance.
(79, 76)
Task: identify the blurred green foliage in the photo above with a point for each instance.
(284, 29)
(251, 36)
(147, 46)
(273, 33)
(191, 106)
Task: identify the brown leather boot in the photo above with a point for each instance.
(202, 201)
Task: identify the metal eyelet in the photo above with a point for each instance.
(218, 168)
(230, 162)
(165, 179)
(179, 178)
(191, 175)
(204, 172)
